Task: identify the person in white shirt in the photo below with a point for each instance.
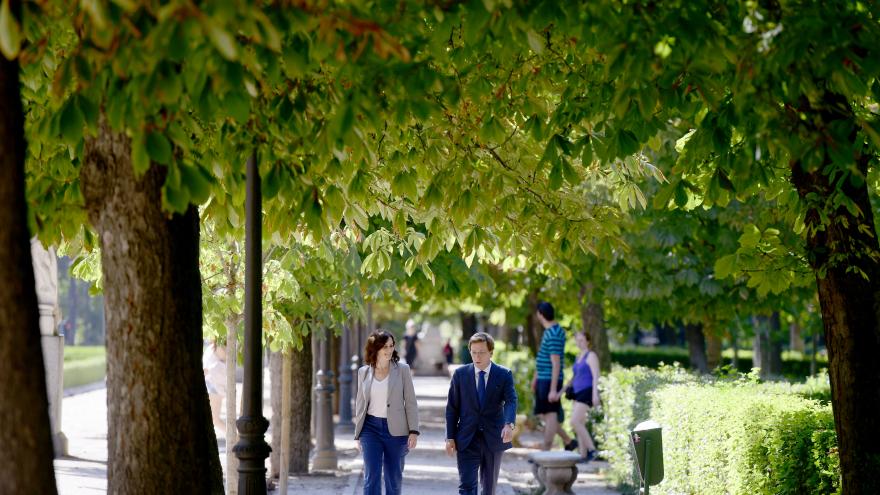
(386, 414)
(214, 366)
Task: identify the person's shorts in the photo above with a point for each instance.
(585, 396)
(542, 405)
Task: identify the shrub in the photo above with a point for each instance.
(744, 438)
(626, 402)
(522, 365)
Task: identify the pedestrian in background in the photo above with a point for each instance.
(547, 383)
(584, 386)
(214, 367)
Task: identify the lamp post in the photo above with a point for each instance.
(345, 379)
(252, 449)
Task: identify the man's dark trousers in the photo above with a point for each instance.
(478, 459)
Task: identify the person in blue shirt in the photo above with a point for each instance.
(547, 383)
(480, 417)
(585, 385)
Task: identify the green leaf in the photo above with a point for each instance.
(158, 148)
(71, 122)
(222, 40)
(140, 160)
(725, 265)
(10, 32)
(627, 143)
(404, 185)
(555, 178)
(197, 182)
(750, 237)
(536, 43)
(238, 106)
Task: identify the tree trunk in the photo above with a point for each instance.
(533, 330)
(300, 416)
(160, 435)
(231, 402)
(593, 321)
(696, 347)
(777, 338)
(468, 329)
(284, 455)
(26, 459)
(796, 338)
(713, 349)
(813, 352)
(847, 276)
(300, 420)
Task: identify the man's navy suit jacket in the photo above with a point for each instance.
(464, 416)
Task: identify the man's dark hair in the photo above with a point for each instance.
(546, 310)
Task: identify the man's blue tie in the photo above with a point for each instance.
(481, 388)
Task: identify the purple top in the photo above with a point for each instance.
(583, 375)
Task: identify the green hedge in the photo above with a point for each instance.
(626, 402)
(794, 365)
(723, 435)
(740, 439)
(522, 365)
(84, 365)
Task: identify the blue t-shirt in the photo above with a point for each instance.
(553, 342)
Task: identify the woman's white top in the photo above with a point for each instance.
(379, 398)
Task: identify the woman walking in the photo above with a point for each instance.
(585, 384)
(387, 416)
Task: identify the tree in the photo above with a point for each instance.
(24, 408)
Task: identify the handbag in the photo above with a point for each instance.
(569, 392)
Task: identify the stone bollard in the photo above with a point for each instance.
(555, 471)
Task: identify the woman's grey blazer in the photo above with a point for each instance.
(403, 412)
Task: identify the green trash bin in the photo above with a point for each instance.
(647, 442)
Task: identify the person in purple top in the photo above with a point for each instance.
(585, 384)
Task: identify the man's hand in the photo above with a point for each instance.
(357, 443)
(553, 396)
(412, 441)
(507, 434)
(450, 447)
(534, 383)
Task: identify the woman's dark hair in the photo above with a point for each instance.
(546, 310)
(375, 342)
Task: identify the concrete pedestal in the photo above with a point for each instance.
(556, 472)
(53, 358)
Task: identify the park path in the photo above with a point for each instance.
(429, 471)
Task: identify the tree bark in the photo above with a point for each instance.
(533, 330)
(842, 252)
(696, 347)
(713, 349)
(300, 420)
(26, 459)
(593, 321)
(300, 415)
(232, 413)
(468, 329)
(160, 435)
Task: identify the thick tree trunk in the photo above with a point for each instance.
(843, 256)
(25, 433)
(777, 339)
(231, 402)
(696, 347)
(468, 329)
(796, 338)
(300, 415)
(593, 321)
(713, 349)
(300, 395)
(533, 330)
(767, 346)
(160, 436)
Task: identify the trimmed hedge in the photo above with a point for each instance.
(723, 435)
(740, 439)
(522, 365)
(794, 365)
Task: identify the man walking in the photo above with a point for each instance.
(547, 382)
(480, 415)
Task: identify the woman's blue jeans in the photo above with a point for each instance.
(382, 450)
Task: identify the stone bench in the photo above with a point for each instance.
(556, 472)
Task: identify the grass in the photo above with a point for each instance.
(84, 365)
